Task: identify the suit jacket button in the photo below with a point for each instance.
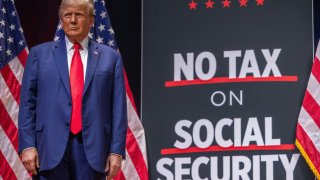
(67, 124)
(69, 103)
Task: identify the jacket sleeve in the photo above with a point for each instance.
(119, 111)
(28, 102)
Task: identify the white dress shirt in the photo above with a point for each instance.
(83, 54)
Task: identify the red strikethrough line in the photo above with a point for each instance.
(231, 80)
(283, 147)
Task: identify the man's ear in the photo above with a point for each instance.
(91, 21)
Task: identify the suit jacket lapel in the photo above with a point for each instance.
(93, 57)
(60, 56)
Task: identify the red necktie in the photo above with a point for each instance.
(76, 84)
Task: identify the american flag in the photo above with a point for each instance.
(308, 127)
(13, 53)
(135, 166)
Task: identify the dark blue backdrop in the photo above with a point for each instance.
(316, 7)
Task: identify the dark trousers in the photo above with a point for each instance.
(73, 166)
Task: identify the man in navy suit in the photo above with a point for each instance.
(72, 119)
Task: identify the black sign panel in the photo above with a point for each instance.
(222, 86)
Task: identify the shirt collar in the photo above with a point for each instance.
(84, 43)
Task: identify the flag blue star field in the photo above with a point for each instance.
(13, 56)
(12, 41)
(135, 166)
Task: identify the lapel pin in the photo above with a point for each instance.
(95, 52)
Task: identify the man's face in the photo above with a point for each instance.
(76, 23)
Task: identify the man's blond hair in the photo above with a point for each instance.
(86, 3)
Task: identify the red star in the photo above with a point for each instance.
(243, 3)
(209, 4)
(260, 2)
(226, 3)
(193, 5)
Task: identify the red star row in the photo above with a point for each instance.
(225, 3)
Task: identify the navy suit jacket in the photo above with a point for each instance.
(45, 104)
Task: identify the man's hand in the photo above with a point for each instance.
(113, 165)
(30, 160)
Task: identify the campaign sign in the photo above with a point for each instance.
(222, 87)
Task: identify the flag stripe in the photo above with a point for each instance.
(12, 157)
(9, 128)
(8, 101)
(316, 68)
(308, 146)
(306, 157)
(23, 56)
(135, 139)
(17, 69)
(312, 107)
(129, 92)
(11, 82)
(308, 127)
(307, 123)
(137, 129)
(135, 155)
(135, 125)
(129, 171)
(313, 88)
(11, 72)
(5, 169)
